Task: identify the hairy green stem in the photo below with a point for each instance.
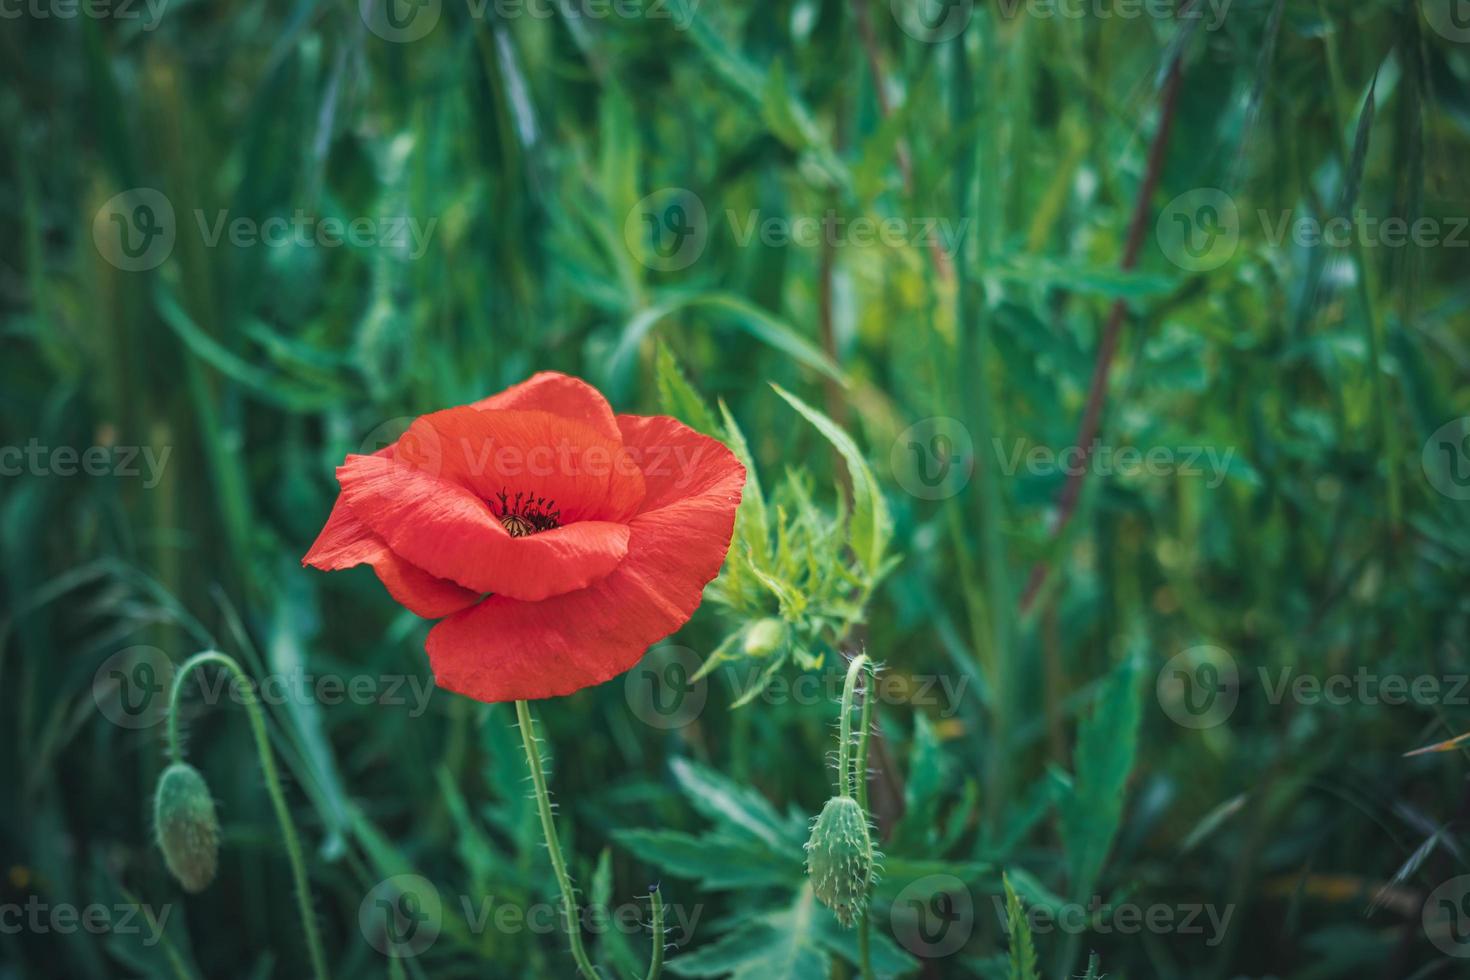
(865, 956)
(844, 743)
(553, 843)
(272, 784)
(656, 964)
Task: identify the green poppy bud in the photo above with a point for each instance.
(188, 831)
(839, 858)
(765, 637)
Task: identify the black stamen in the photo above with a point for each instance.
(526, 514)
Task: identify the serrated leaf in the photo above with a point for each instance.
(1023, 947)
(1107, 742)
(760, 324)
(717, 860)
(752, 526)
(677, 397)
(777, 946)
(871, 525)
(737, 807)
(889, 959)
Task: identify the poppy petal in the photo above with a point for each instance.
(502, 650)
(346, 542)
(581, 473)
(449, 532)
(558, 394)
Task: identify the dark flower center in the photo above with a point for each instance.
(525, 513)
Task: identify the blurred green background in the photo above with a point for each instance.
(249, 239)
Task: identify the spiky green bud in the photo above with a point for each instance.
(765, 637)
(188, 831)
(839, 858)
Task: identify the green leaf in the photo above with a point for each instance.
(716, 860)
(1023, 948)
(1107, 742)
(744, 314)
(677, 397)
(752, 526)
(736, 807)
(781, 945)
(871, 525)
(889, 959)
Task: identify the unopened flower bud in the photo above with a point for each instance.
(839, 858)
(188, 831)
(765, 637)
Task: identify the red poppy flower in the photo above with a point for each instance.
(556, 541)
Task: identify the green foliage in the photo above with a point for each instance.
(797, 579)
(1018, 928)
(1308, 518)
(1107, 745)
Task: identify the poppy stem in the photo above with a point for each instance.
(844, 742)
(860, 776)
(272, 784)
(553, 844)
(656, 964)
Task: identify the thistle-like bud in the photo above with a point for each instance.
(839, 858)
(188, 831)
(764, 637)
